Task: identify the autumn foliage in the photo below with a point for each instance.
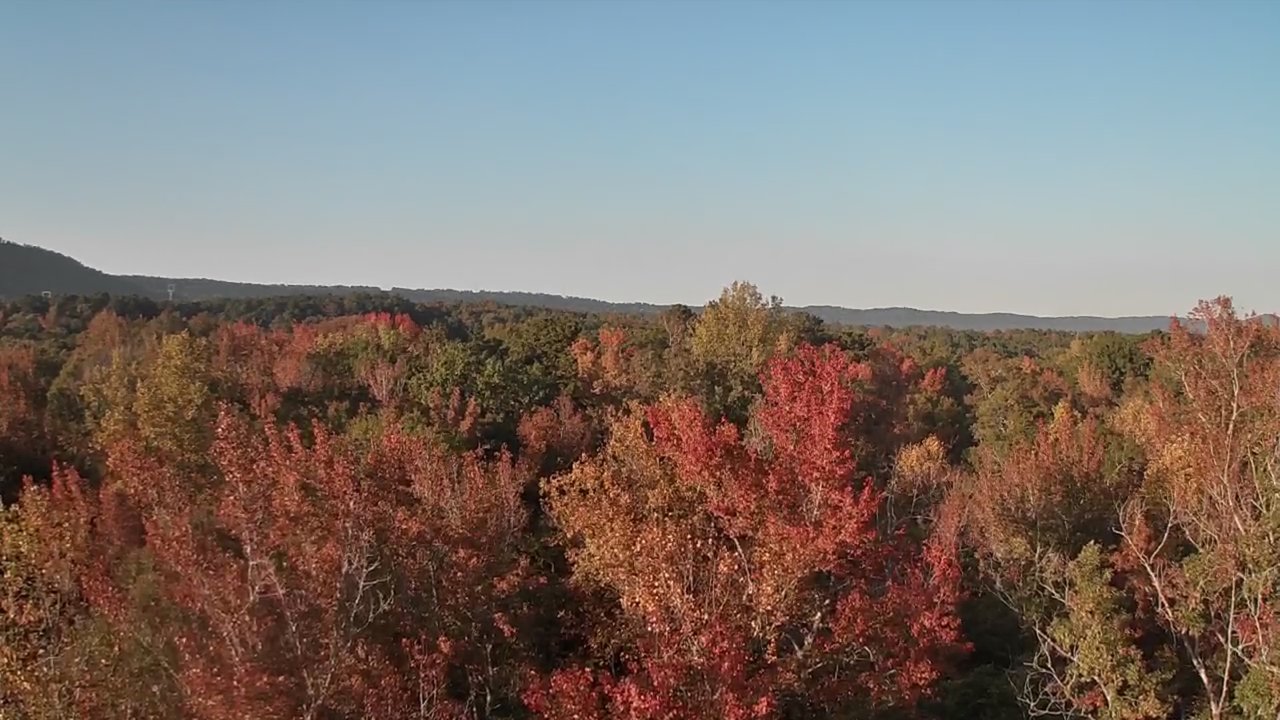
(756, 570)
(368, 509)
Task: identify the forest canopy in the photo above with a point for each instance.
(359, 506)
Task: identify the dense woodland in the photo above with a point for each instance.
(359, 507)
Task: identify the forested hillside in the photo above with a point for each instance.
(30, 270)
(362, 507)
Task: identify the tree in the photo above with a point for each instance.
(24, 445)
(604, 364)
(174, 406)
(1086, 662)
(70, 644)
(754, 577)
(733, 339)
(316, 579)
(1011, 396)
(1040, 519)
(1203, 535)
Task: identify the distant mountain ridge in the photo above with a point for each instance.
(29, 270)
(908, 317)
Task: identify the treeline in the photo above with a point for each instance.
(361, 507)
(30, 270)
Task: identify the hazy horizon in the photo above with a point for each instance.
(1045, 159)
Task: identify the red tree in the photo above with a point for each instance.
(319, 577)
(753, 574)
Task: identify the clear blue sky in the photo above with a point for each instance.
(1052, 158)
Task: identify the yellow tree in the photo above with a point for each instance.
(741, 330)
(733, 339)
(174, 406)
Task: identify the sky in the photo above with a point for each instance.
(1093, 157)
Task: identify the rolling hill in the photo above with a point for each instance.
(27, 270)
(30, 270)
